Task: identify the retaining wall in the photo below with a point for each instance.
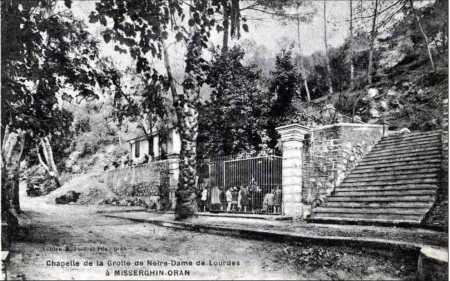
(438, 215)
(331, 152)
(149, 182)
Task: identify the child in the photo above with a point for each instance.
(268, 203)
(277, 200)
(229, 198)
(234, 197)
(223, 199)
(203, 199)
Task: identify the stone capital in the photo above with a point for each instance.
(292, 132)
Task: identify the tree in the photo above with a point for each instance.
(284, 85)
(143, 101)
(235, 118)
(352, 68)
(373, 35)
(232, 14)
(144, 29)
(422, 31)
(300, 16)
(325, 41)
(231, 21)
(47, 56)
(302, 66)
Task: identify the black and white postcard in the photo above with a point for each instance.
(224, 140)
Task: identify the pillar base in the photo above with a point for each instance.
(293, 209)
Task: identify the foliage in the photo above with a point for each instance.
(142, 100)
(236, 115)
(37, 181)
(48, 56)
(285, 84)
(93, 125)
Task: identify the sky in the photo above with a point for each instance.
(264, 30)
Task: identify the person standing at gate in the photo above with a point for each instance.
(229, 198)
(234, 197)
(203, 199)
(277, 200)
(243, 199)
(215, 199)
(223, 200)
(268, 203)
(239, 199)
(256, 198)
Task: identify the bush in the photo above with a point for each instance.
(87, 143)
(39, 182)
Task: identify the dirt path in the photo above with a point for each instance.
(69, 234)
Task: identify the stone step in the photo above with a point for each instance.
(389, 187)
(387, 183)
(387, 148)
(409, 205)
(415, 133)
(417, 198)
(384, 210)
(366, 161)
(407, 142)
(399, 168)
(358, 174)
(384, 219)
(390, 178)
(431, 160)
(400, 151)
(396, 182)
(406, 153)
(400, 155)
(411, 136)
(382, 193)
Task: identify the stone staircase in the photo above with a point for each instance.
(395, 183)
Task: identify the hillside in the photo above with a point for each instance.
(406, 92)
(407, 100)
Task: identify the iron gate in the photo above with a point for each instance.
(244, 185)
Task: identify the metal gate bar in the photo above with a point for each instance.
(249, 185)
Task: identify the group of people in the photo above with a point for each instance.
(241, 199)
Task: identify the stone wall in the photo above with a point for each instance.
(147, 181)
(331, 152)
(438, 215)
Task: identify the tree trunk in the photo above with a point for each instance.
(425, 37)
(235, 19)
(48, 161)
(9, 141)
(188, 127)
(16, 174)
(325, 40)
(226, 25)
(373, 34)
(352, 67)
(187, 118)
(11, 159)
(302, 66)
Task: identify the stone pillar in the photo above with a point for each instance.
(292, 137)
(174, 173)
